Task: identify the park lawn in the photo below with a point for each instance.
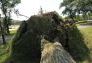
(4, 49)
(4, 53)
(87, 34)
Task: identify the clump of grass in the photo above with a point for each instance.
(77, 46)
(4, 53)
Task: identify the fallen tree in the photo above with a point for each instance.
(26, 45)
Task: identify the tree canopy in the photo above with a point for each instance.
(73, 7)
(6, 7)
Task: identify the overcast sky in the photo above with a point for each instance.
(32, 7)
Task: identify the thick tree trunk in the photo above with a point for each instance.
(6, 25)
(3, 35)
(55, 53)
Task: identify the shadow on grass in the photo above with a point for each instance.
(77, 46)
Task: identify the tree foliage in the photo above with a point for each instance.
(6, 7)
(73, 7)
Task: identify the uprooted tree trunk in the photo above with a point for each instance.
(55, 53)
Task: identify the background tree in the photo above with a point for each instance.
(75, 7)
(6, 7)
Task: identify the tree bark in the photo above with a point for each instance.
(3, 35)
(55, 53)
(6, 24)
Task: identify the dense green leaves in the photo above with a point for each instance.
(9, 3)
(73, 7)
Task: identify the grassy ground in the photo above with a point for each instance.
(4, 49)
(87, 35)
(3, 53)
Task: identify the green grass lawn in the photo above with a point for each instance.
(4, 49)
(87, 35)
(4, 53)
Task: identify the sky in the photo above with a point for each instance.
(32, 7)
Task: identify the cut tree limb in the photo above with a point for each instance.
(55, 53)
